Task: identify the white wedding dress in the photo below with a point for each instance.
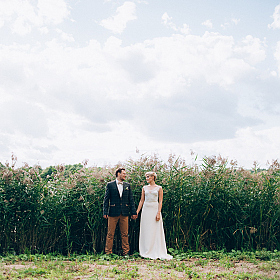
(152, 240)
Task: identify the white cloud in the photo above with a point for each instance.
(171, 68)
(24, 15)
(118, 22)
(163, 65)
(247, 146)
(185, 29)
(62, 102)
(252, 50)
(208, 23)
(235, 20)
(53, 11)
(276, 18)
(44, 30)
(277, 56)
(227, 24)
(65, 36)
(24, 117)
(179, 88)
(21, 27)
(167, 21)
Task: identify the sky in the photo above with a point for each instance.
(111, 80)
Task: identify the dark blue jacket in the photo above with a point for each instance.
(114, 205)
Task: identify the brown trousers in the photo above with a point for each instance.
(112, 223)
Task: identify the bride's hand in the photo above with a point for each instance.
(158, 217)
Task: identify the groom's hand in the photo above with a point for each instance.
(134, 217)
(105, 216)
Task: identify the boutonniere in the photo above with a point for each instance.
(126, 189)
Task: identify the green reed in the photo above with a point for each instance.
(208, 206)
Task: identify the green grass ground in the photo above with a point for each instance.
(208, 265)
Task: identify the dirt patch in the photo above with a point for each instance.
(144, 269)
(149, 269)
(18, 266)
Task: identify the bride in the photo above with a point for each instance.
(152, 240)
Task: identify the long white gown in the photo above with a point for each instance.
(152, 240)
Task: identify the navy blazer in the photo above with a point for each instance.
(114, 205)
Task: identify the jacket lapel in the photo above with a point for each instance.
(124, 187)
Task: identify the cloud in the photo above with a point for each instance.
(24, 15)
(276, 18)
(167, 21)
(24, 117)
(62, 101)
(208, 23)
(252, 50)
(64, 36)
(277, 56)
(233, 21)
(185, 29)
(243, 147)
(138, 67)
(44, 30)
(210, 57)
(53, 11)
(193, 115)
(118, 22)
(180, 88)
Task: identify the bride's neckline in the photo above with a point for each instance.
(148, 188)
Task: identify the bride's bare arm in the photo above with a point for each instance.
(160, 198)
(141, 201)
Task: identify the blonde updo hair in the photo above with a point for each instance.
(151, 173)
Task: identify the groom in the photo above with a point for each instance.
(118, 202)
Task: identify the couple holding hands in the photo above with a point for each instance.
(118, 202)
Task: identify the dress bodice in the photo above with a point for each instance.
(151, 195)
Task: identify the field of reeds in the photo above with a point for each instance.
(210, 205)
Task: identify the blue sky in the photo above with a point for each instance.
(112, 80)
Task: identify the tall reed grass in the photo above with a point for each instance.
(207, 206)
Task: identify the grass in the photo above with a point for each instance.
(207, 265)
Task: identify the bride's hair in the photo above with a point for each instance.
(151, 173)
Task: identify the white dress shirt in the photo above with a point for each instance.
(120, 187)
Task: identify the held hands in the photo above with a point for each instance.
(133, 217)
(158, 217)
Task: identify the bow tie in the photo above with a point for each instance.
(120, 183)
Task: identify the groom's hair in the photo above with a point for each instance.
(119, 170)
